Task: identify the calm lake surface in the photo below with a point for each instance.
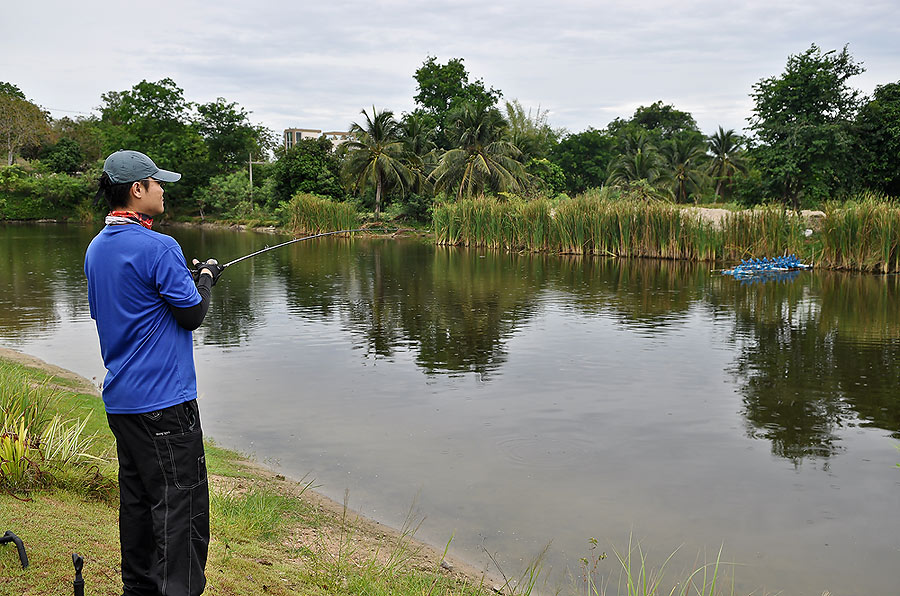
(520, 400)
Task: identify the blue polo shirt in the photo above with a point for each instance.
(133, 275)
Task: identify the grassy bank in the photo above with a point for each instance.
(862, 234)
(269, 534)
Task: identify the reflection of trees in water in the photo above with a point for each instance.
(234, 308)
(475, 305)
(40, 276)
(648, 292)
(817, 357)
(454, 310)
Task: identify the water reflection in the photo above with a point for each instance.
(41, 275)
(453, 309)
(814, 356)
(818, 357)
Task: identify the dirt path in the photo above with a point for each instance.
(717, 216)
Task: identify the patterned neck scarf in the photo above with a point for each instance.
(114, 218)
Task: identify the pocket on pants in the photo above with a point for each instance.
(186, 462)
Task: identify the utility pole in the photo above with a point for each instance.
(250, 163)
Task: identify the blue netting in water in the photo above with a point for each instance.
(765, 269)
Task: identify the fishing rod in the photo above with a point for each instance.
(268, 248)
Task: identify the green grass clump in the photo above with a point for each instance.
(309, 214)
(637, 577)
(41, 446)
(258, 513)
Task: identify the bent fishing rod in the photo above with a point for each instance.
(268, 248)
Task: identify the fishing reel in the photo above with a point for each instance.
(215, 268)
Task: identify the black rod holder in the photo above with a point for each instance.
(20, 546)
(78, 584)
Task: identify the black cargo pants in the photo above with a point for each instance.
(164, 509)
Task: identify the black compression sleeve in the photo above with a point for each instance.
(191, 317)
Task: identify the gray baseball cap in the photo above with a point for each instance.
(130, 166)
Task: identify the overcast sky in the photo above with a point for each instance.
(316, 65)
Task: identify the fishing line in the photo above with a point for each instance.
(323, 234)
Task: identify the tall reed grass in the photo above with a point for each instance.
(863, 234)
(309, 214)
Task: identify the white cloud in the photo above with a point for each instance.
(318, 65)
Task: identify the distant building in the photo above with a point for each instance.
(292, 136)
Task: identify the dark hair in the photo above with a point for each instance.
(115, 195)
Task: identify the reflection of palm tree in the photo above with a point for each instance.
(481, 160)
(685, 156)
(726, 161)
(375, 155)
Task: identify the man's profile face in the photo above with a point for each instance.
(149, 199)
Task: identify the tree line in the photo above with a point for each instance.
(811, 137)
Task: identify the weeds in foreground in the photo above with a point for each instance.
(638, 578)
(38, 450)
(527, 581)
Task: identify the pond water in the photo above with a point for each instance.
(520, 400)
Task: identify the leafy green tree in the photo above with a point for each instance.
(584, 158)
(376, 156)
(155, 118)
(727, 159)
(481, 160)
(550, 176)
(64, 157)
(149, 112)
(310, 166)
(11, 90)
(878, 133)
(531, 133)
(230, 137)
(686, 159)
(22, 123)
(662, 122)
(225, 194)
(443, 88)
(802, 122)
(84, 131)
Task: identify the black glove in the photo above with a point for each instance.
(215, 269)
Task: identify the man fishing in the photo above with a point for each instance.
(145, 302)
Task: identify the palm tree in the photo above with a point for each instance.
(727, 158)
(418, 143)
(375, 155)
(685, 156)
(481, 160)
(639, 160)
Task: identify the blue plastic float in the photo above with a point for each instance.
(765, 269)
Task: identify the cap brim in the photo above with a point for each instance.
(166, 176)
